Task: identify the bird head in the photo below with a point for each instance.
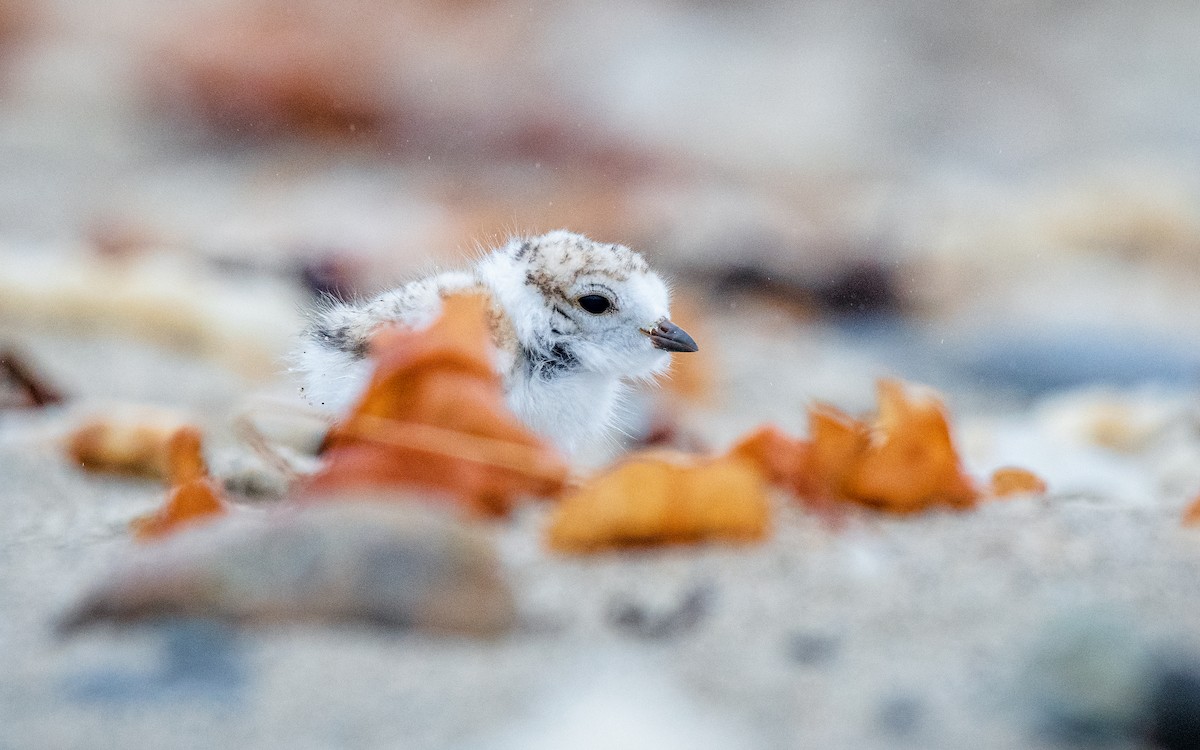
(594, 306)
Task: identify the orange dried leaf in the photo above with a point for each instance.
(910, 463)
(434, 417)
(1191, 515)
(194, 496)
(1010, 480)
(837, 446)
(650, 500)
(903, 463)
(779, 457)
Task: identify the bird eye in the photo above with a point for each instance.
(595, 303)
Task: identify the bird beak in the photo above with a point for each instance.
(670, 337)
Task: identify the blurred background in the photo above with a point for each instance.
(973, 194)
(999, 199)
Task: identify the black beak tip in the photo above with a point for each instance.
(670, 337)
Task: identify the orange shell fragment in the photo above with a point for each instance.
(653, 500)
(1009, 480)
(194, 496)
(433, 416)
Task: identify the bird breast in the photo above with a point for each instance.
(568, 411)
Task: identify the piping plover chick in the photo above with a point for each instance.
(574, 323)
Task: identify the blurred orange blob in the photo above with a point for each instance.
(782, 459)
(194, 497)
(656, 499)
(1009, 480)
(1191, 515)
(433, 417)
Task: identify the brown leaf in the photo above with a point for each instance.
(909, 462)
(903, 462)
(653, 500)
(837, 444)
(1010, 480)
(780, 457)
(194, 497)
(434, 417)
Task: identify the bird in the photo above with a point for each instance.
(576, 324)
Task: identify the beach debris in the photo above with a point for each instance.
(194, 497)
(852, 289)
(126, 442)
(285, 441)
(1115, 420)
(902, 462)
(397, 565)
(21, 385)
(167, 299)
(782, 459)
(861, 288)
(433, 417)
(655, 623)
(1011, 480)
(663, 498)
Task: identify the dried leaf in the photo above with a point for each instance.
(434, 417)
(651, 500)
(1010, 480)
(789, 462)
(780, 458)
(126, 444)
(837, 444)
(910, 462)
(365, 561)
(194, 497)
(903, 463)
